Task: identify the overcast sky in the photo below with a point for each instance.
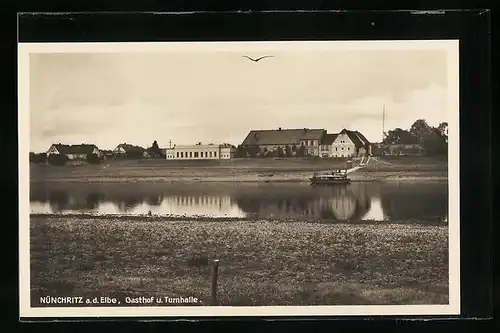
(216, 97)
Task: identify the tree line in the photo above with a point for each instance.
(434, 140)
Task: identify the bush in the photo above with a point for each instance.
(93, 159)
(38, 158)
(301, 152)
(57, 159)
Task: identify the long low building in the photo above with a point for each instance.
(201, 152)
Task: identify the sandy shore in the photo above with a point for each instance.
(242, 170)
(248, 177)
(261, 262)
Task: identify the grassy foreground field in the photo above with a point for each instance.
(241, 170)
(261, 262)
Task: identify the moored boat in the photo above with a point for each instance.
(334, 177)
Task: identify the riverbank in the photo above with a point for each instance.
(239, 170)
(262, 262)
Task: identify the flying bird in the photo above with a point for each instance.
(255, 60)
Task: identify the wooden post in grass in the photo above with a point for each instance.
(215, 269)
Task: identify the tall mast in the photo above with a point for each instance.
(383, 123)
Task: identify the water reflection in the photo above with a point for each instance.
(358, 201)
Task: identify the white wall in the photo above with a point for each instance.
(199, 152)
(343, 146)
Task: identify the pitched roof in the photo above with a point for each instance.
(131, 148)
(75, 149)
(357, 138)
(328, 139)
(363, 137)
(282, 137)
(105, 151)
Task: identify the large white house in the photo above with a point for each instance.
(345, 144)
(201, 152)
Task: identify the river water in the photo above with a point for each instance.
(357, 201)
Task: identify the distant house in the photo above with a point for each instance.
(263, 141)
(129, 151)
(200, 151)
(73, 152)
(106, 154)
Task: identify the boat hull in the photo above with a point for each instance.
(329, 181)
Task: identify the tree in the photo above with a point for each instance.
(38, 158)
(420, 129)
(434, 143)
(302, 151)
(154, 151)
(399, 136)
(443, 131)
(57, 159)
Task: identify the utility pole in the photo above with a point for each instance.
(383, 123)
(170, 143)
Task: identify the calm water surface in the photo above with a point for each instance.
(357, 201)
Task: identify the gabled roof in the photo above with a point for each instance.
(75, 149)
(131, 148)
(363, 137)
(282, 136)
(357, 138)
(328, 139)
(105, 151)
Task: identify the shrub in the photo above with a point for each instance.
(57, 159)
(93, 159)
(38, 158)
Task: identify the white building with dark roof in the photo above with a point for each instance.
(345, 144)
(201, 152)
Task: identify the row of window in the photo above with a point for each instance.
(194, 154)
(307, 143)
(336, 148)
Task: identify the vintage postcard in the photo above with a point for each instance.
(312, 178)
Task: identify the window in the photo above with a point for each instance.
(210, 154)
(336, 148)
(342, 148)
(196, 154)
(182, 154)
(177, 154)
(348, 148)
(215, 154)
(190, 154)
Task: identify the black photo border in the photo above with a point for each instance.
(471, 27)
